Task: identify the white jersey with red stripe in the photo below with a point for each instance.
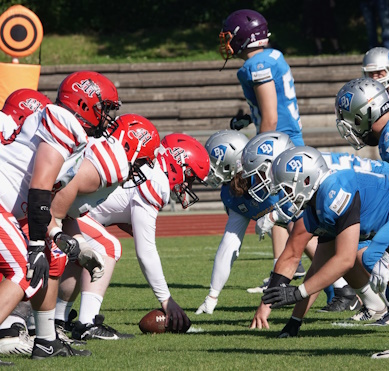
(17, 157)
(110, 160)
(139, 206)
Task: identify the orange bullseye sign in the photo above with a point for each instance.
(21, 31)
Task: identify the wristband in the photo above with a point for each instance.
(277, 279)
(53, 233)
(303, 291)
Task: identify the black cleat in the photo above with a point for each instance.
(97, 330)
(344, 299)
(55, 348)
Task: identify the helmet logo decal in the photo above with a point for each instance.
(253, 38)
(87, 86)
(31, 104)
(345, 101)
(219, 152)
(296, 163)
(266, 148)
(141, 134)
(178, 154)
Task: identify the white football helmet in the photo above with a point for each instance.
(375, 60)
(225, 150)
(358, 105)
(297, 173)
(257, 158)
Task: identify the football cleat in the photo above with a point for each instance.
(55, 348)
(383, 321)
(381, 355)
(344, 298)
(15, 340)
(97, 330)
(61, 334)
(208, 306)
(291, 329)
(365, 314)
(300, 272)
(259, 289)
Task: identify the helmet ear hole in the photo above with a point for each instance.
(83, 105)
(307, 181)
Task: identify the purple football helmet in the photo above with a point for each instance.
(242, 29)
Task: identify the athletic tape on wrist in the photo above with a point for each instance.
(303, 291)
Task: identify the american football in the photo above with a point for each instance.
(154, 323)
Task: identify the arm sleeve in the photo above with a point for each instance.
(229, 249)
(144, 218)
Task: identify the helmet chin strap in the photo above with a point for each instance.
(225, 62)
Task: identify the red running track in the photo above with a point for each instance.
(169, 225)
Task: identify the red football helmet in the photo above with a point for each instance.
(23, 102)
(184, 160)
(93, 99)
(140, 139)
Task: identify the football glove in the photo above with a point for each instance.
(279, 296)
(69, 245)
(379, 276)
(240, 121)
(91, 260)
(208, 306)
(37, 266)
(263, 226)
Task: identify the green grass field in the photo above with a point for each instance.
(221, 341)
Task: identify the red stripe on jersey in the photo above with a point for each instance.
(156, 196)
(63, 144)
(61, 127)
(114, 160)
(103, 164)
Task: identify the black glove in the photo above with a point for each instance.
(291, 329)
(281, 295)
(68, 245)
(240, 121)
(37, 266)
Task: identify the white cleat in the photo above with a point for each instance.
(15, 340)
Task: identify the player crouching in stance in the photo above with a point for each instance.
(342, 206)
(86, 102)
(134, 207)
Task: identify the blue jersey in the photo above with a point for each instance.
(245, 205)
(261, 68)
(336, 194)
(383, 143)
(341, 161)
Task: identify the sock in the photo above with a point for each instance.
(89, 307)
(44, 325)
(62, 309)
(297, 319)
(340, 283)
(370, 299)
(214, 293)
(10, 320)
(330, 293)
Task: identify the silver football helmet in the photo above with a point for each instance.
(377, 59)
(257, 158)
(225, 150)
(297, 173)
(358, 105)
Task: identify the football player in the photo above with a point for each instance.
(341, 207)
(134, 208)
(265, 76)
(225, 149)
(30, 166)
(375, 65)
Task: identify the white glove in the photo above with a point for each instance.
(91, 260)
(380, 274)
(264, 225)
(208, 306)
